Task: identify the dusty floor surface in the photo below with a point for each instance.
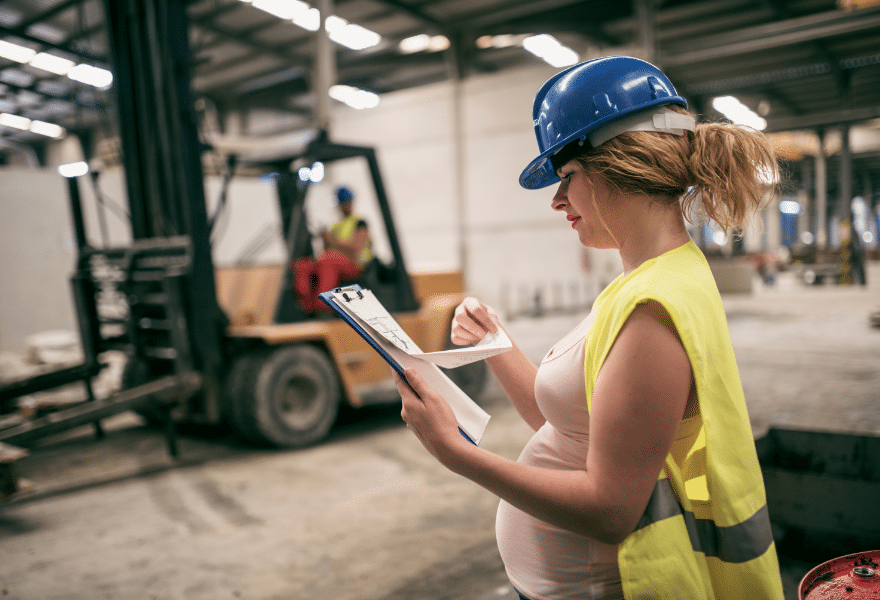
(369, 515)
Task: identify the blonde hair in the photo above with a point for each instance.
(727, 168)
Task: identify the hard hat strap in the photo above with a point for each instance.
(664, 121)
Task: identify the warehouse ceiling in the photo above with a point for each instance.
(803, 64)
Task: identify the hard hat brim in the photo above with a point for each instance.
(539, 173)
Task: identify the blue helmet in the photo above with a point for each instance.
(583, 98)
(344, 194)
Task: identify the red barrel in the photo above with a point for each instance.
(851, 577)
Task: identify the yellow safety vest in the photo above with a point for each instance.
(705, 533)
(344, 231)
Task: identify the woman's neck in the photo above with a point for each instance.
(654, 229)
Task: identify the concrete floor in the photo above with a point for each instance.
(369, 515)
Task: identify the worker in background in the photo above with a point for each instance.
(347, 250)
(641, 479)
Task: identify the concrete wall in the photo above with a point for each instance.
(37, 253)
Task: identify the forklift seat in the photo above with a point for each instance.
(374, 275)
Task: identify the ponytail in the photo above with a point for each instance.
(722, 171)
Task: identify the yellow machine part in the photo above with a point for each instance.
(248, 295)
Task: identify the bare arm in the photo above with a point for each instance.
(516, 373)
(638, 402)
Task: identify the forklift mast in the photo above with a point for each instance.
(161, 155)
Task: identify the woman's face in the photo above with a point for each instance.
(591, 219)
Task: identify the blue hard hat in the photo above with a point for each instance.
(344, 194)
(585, 97)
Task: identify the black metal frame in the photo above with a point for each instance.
(162, 159)
(167, 273)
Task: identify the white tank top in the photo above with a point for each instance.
(545, 562)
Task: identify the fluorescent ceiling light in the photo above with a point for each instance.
(415, 43)
(16, 52)
(25, 124)
(51, 63)
(738, 113)
(418, 43)
(335, 23)
(73, 169)
(506, 40)
(15, 121)
(354, 97)
(309, 20)
(548, 48)
(351, 35)
(47, 129)
(438, 43)
(283, 9)
(100, 78)
(95, 76)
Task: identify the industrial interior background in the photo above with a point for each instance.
(140, 123)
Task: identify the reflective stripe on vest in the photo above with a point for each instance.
(735, 544)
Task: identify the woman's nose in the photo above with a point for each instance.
(558, 202)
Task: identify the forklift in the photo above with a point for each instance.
(285, 372)
(229, 345)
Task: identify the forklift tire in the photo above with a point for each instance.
(238, 393)
(288, 398)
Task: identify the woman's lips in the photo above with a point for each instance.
(573, 219)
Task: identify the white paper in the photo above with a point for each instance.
(471, 418)
(376, 317)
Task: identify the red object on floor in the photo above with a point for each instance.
(851, 577)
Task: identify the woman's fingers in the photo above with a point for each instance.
(480, 313)
(472, 321)
(417, 383)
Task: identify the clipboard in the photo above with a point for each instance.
(471, 418)
(329, 299)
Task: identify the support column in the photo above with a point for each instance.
(458, 60)
(843, 210)
(808, 199)
(325, 69)
(644, 10)
(821, 194)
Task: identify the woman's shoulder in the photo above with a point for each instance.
(679, 282)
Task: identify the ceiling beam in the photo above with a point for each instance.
(771, 35)
(529, 8)
(279, 50)
(55, 10)
(822, 120)
(760, 80)
(414, 12)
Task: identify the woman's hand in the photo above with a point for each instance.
(472, 321)
(429, 416)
